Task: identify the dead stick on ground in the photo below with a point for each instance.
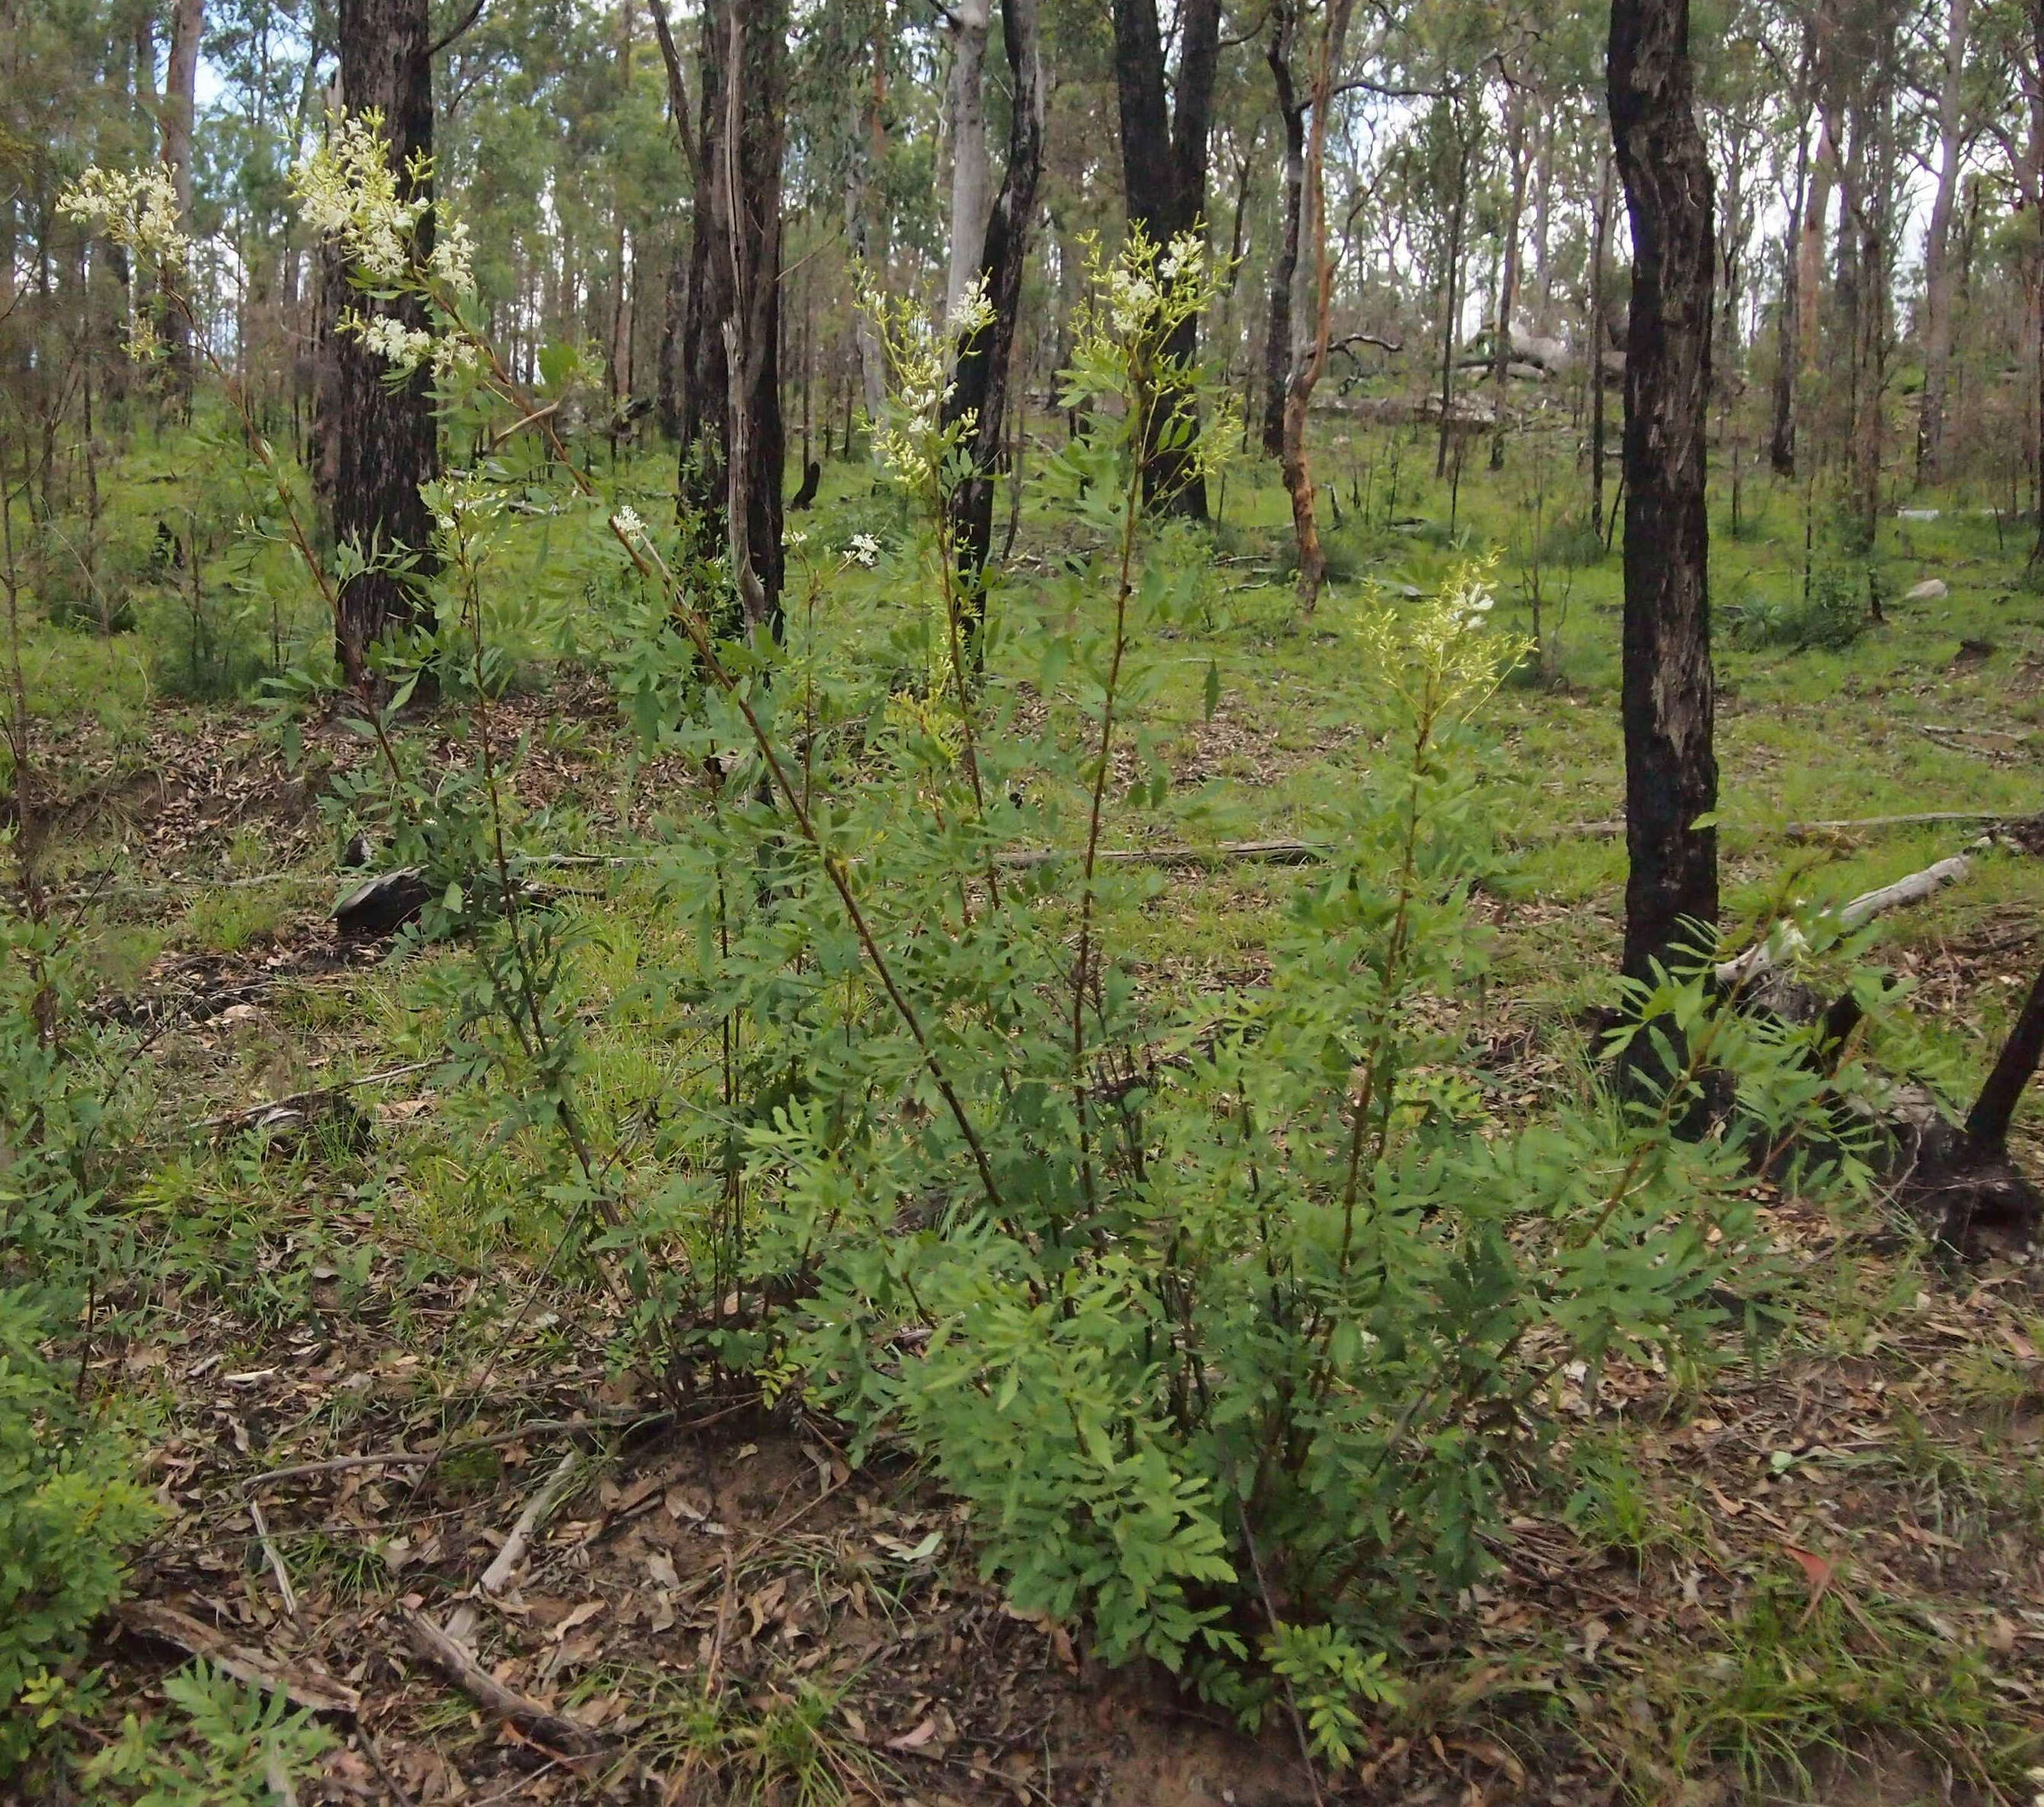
(1922, 819)
(276, 1561)
(542, 1723)
(462, 1622)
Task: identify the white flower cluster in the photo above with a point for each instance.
(627, 525)
(1139, 290)
(349, 191)
(864, 549)
(138, 210)
(406, 348)
(912, 443)
(454, 254)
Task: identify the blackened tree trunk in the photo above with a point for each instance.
(1164, 175)
(180, 90)
(986, 360)
(1284, 265)
(1988, 1125)
(1671, 774)
(733, 446)
(386, 440)
(1781, 439)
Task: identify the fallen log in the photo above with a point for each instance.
(1787, 940)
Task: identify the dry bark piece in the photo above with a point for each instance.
(153, 1619)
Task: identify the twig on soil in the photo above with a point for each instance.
(554, 1731)
(1803, 830)
(248, 1114)
(367, 1740)
(426, 1458)
(462, 1622)
(276, 1562)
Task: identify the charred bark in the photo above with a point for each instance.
(1284, 265)
(985, 359)
(1164, 173)
(385, 440)
(1671, 778)
(733, 446)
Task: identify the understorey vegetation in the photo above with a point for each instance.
(1239, 1325)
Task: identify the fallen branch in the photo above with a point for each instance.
(1803, 830)
(152, 1618)
(545, 1726)
(1272, 852)
(283, 1575)
(462, 1622)
(1788, 941)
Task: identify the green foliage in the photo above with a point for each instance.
(1202, 1305)
(1833, 612)
(67, 1514)
(231, 1746)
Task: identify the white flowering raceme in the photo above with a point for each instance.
(348, 191)
(863, 550)
(627, 525)
(403, 347)
(138, 210)
(453, 257)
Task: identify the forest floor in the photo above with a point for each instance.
(1814, 1574)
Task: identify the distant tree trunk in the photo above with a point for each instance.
(732, 449)
(180, 86)
(386, 439)
(1508, 275)
(1309, 341)
(1671, 778)
(986, 360)
(1451, 301)
(863, 159)
(969, 25)
(1284, 264)
(674, 317)
(1781, 440)
(1600, 331)
(1810, 251)
(1164, 172)
(1937, 260)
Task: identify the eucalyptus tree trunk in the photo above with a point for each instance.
(968, 23)
(1810, 248)
(985, 359)
(1508, 275)
(1937, 241)
(1671, 777)
(1600, 331)
(1284, 264)
(1164, 172)
(1781, 439)
(865, 154)
(180, 87)
(385, 439)
(1309, 329)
